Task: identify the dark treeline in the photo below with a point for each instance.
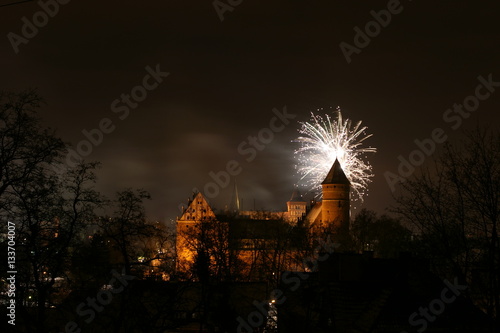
(68, 251)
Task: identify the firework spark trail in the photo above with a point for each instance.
(324, 139)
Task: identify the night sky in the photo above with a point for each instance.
(226, 77)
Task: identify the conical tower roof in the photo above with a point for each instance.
(336, 175)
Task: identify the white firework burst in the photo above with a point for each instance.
(325, 139)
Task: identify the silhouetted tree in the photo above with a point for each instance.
(361, 230)
(50, 213)
(384, 235)
(136, 241)
(25, 146)
(454, 207)
(49, 208)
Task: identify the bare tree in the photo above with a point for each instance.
(384, 235)
(25, 146)
(50, 213)
(137, 242)
(49, 208)
(454, 208)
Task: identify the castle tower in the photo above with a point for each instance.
(296, 207)
(335, 207)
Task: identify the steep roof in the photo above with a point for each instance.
(336, 175)
(198, 209)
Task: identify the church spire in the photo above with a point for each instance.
(235, 200)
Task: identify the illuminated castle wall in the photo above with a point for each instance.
(188, 227)
(332, 214)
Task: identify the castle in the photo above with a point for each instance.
(209, 243)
